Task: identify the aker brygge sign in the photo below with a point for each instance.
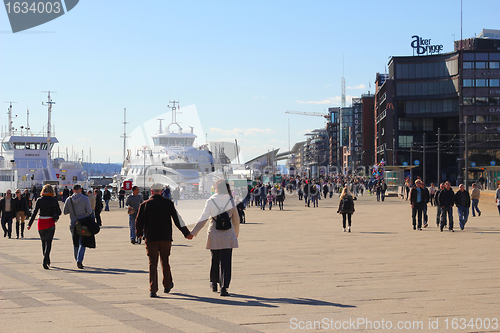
(423, 46)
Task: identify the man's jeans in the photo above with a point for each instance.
(107, 205)
(78, 251)
(131, 225)
(475, 202)
(7, 223)
(447, 211)
(463, 216)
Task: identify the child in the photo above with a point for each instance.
(270, 199)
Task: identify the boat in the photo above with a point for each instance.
(172, 160)
(26, 160)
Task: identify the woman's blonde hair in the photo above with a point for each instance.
(345, 192)
(48, 189)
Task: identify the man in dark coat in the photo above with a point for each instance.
(418, 198)
(7, 210)
(154, 221)
(462, 200)
(446, 201)
(107, 197)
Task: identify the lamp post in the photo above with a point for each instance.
(144, 152)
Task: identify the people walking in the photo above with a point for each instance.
(270, 199)
(263, 196)
(49, 209)
(346, 208)
(106, 197)
(383, 189)
(98, 206)
(7, 209)
(426, 201)
(121, 198)
(432, 193)
(446, 201)
(497, 198)
(154, 222)
(21, 211)
(78, 207)
(133, 203)
(462, 200)
(220, 242)
(418, 198)
(436, 203)
(474, 196)
(280, 197)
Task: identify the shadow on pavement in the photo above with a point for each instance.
(246, 300)
(96, 270)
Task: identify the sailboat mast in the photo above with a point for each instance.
(49, 147)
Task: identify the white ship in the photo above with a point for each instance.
(26, 160)
(172, 159)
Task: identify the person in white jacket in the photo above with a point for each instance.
(220, 242)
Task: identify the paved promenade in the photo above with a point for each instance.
(295, 270)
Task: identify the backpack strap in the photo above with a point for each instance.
(224, 209)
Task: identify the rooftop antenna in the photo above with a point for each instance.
(10, 123)
(174, 115)
(124, 136)
(49, 104)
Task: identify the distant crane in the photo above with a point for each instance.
(314, 114)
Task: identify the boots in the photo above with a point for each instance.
(22, 229)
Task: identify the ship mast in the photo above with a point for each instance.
(124, 136)
(174, 115)
(49, 148)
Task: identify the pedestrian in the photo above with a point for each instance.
(474, 196)
(121, 198)
(417, 202)
(98, 206)
(65, 194)
(314, 195)
(154, 222)
(133, 203)
(21, 211)
(383, 189)
(426, 201)
(78, 207)
(49, 209)
(176, 195)
(432, 193)
(462, 200)
(7, 209)
(378, 190)
(219, 241)
(280, 197)
(497, 198)
(446, 201)
(263, 196)
(91, 196)
(346, 208)
(270, 199)
(106, 197)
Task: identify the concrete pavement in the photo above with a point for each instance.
(295, 270)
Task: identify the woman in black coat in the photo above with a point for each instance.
(50, 211)
(98, 206)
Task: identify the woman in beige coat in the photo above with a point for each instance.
(220, 242)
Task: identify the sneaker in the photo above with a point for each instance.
(213, 286)
(139, 240)
(479, 214)
(132, 241)
(344, 229)
(79, 265)
(348, 229)
(426, 225)
(223, 292)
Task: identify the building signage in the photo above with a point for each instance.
(424, 47)
(494, 73)
(494, 91)
(357, 127)
(494, 109)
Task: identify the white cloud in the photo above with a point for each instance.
(359, 86)
(238, 132)
(328, 85)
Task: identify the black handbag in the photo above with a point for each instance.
(86, 226)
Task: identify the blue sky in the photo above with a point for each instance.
(241, 63)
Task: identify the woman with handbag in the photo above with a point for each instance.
(221, 238)
(50, 211)
(78, 207)
(346, 207)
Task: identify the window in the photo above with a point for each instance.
(494, 64)
(468, 83)
(469, 101)
(468, 65)
(481, 56)
(405, 141)
(495, 83)
(494, 100)
(481, 83)
(481, 65)
(481, 100)
(468, 56)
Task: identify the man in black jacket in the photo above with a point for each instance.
(462, 200)
(154, 221)
(438, 206)
(418, 198)
(107, 197)
(446, 201)
(7, 210)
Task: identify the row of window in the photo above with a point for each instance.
(427, 88)
(426, 70)
(483, 119)
(492, 100)
(428, 106)
(481, 56)
(481, 65)
(482, 83)
(25, 145)
(420, 124)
